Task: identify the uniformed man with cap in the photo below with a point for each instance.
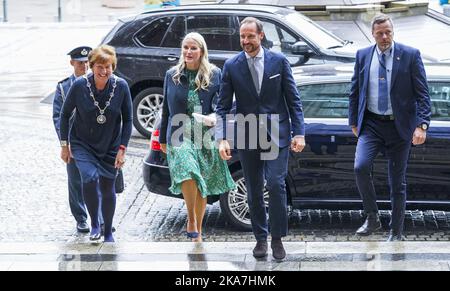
(79, 62)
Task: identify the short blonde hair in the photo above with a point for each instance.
(102, 55)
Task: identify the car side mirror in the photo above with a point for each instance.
(300, 48)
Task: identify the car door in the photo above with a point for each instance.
(323, 172)
(220, 32)
(281, 39)
(158, 47)
(429, 165)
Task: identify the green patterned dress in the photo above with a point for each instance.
(194, 160)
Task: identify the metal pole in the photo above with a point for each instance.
(5, 11)
(59, 11)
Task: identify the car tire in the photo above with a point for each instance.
(146, 105)
(234, 204)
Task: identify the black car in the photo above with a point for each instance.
(148, 44)
(322, 175)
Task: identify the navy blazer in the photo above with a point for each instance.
(278, 96)
(410, 99)
(175, 101)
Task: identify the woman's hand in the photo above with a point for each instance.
(65, 154)
(224, 150)
(164, 148)
(120, 159)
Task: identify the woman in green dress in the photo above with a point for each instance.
(196, 168)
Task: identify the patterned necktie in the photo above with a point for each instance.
(254, 73)
(382, 85)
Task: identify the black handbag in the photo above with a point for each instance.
(120, 185)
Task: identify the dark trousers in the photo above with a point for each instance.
(76, 201)
(274, 172)
(376, 134)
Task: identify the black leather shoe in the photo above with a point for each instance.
(260, 249)
(278, 251)
(371, 224)
(83, 227)
(395, 236)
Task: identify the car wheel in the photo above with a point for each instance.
(234, 204)
(145, 109)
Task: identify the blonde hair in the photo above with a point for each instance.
(205, 70)
(103, 54)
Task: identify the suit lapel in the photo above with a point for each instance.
(395, 63)
(367, 68)
(267, 68)
(242, 61)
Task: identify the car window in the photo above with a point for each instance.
(272, 39)
(331, 100)
(175, 34)
(219, 31)
(153, 33)
(440, 100)
(277, 39)
(313, 31)
(325, 100)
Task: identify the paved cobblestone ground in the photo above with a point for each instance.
(34, 205)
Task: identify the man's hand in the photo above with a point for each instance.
(355, 130)
(163, 148)
(65, 154)
(298, 143)
(419, 136)
(224, 150)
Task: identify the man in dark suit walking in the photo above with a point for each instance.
(389, 108)
(264, 90)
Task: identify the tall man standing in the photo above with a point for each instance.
(262, 83)
(389, 108)
(79, 62)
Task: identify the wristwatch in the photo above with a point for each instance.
(63, 143)
(423, 126)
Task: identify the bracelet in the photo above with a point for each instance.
(122, 147)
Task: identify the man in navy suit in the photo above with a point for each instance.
(389, 109)
(266, 93)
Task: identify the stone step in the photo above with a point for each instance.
(225, 256)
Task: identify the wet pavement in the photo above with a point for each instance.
(229, 256)
(38, 233)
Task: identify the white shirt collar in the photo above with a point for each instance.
(388, 52)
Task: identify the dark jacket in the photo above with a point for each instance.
(175, 101)
(278, 99)
(409, 89)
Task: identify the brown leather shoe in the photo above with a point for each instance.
(278, 251)
(371, 224)
(260, 249)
